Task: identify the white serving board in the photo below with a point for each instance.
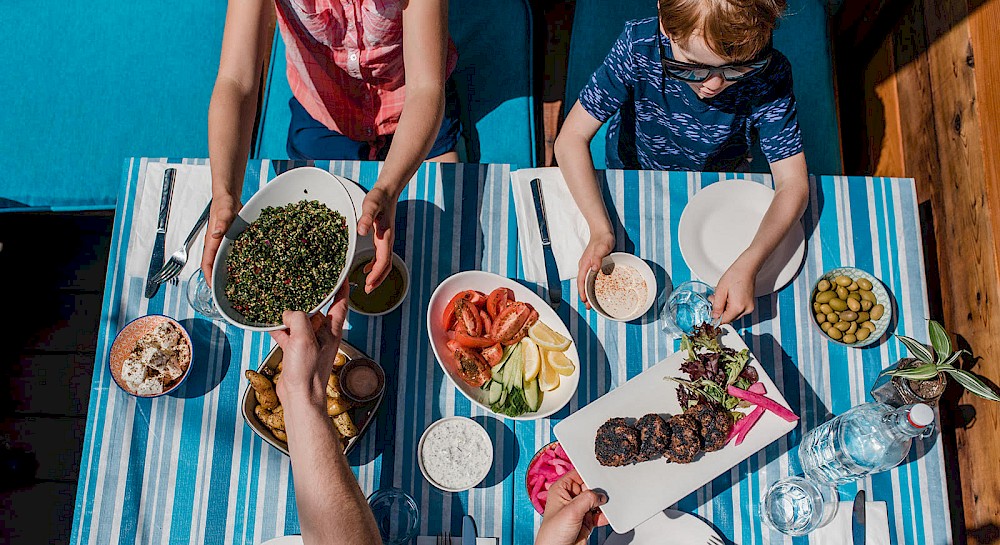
(637, 492)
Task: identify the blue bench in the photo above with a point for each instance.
(493, 78)
(802, 36)
(89, 86)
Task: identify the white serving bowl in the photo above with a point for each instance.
(308, 183)
(640, 265)
(486, 282)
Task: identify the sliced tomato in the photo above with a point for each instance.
(470, 341)
(510, 321)
(493, 354)
(467, 315)
(532, 318)
(469, 365)
(478, 298)
(487, 322)
(498, 300)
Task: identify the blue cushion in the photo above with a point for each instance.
(126, 79)
(493, 79)
(802, 36)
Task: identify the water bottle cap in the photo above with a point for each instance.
(921, 415)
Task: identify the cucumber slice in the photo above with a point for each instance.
(496, 389)
(533, 395)
(498, 373)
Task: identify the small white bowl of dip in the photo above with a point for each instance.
(455, 454)
(624, 289)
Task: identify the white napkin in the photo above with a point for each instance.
(192, 191)
(567, 227)
(838, 531)
(432, 540)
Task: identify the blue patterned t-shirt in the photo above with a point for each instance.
(659, 123)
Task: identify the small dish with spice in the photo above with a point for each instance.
(361, 380)
(623, 289)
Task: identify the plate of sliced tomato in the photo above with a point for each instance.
(476, 318)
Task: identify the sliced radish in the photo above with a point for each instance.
(757, 388)
(747, 422)
(765, 402)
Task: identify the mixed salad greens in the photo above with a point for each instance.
(712, 369)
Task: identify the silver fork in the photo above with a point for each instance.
(714, 540)
(444, 539)
(172, 268)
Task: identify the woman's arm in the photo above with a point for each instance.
(425, 53)
(734, 296)
(245, 43)
(572, 151)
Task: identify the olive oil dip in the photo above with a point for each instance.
(455, 453)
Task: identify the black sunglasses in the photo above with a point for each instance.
(697, 73)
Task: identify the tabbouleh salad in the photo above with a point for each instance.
(288, 258)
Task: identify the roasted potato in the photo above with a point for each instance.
(263, 388)
(280, 435)
(332, 387)
(340, 360)
(271, 420)
(337, 405)
(345, 426)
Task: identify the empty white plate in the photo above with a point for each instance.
(719, 223)
(684, 528)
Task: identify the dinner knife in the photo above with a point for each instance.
(156, 260)
(858, 526)
(468, 530)
(551, 270)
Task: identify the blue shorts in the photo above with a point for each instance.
(310, 139)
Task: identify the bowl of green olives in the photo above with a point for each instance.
(851, 307)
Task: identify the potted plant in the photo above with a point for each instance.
(922, 378)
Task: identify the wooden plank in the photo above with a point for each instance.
(965, 232)
(52, 384)
(74, 254)
(55, 441)
(984, 22)
(885, 151)
(42, 513)
(59, 322)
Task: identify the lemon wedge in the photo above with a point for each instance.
(548, 378)
(545, 338)
(559, 363)
(532, 359)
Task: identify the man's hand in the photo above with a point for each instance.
(571, 512)
(734, 296)
(222, 214)
(309, 347)
(378, 214)
(601, 244)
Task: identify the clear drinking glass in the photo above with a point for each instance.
(396, 515)
(687, 307)
(199, 296)
(796, 506)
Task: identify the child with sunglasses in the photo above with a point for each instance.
(688, 90)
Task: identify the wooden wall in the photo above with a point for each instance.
(919, 91)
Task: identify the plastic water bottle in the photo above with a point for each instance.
(867, 439)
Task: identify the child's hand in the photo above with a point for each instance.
(379, 215)
(600, 246)
(734, 295)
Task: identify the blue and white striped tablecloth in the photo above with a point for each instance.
(870, 223)
(185, 468)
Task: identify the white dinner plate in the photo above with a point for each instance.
(668, 527)
(719, 223)
(639, 491)
(486, 282)
(284, 540)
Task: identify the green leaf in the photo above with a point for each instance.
(972, 384)
(953, 358)
(916, 349)
(921, 372)
(939, 340)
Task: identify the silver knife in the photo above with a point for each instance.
(468, 530)
(858, 526)
(156, 260)
(551, 270)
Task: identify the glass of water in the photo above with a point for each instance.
(396, 515)
(199, 296)
(796, 506)
(688, 306)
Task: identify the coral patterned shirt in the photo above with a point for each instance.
(345, 62)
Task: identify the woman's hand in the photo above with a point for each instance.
(378, 215)
(734, 296)
(220, 217)
(601, 244)
(571, 512)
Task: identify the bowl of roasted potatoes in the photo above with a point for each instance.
(264, 414)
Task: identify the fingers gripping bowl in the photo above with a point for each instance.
(300, 236)
(548, 358)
